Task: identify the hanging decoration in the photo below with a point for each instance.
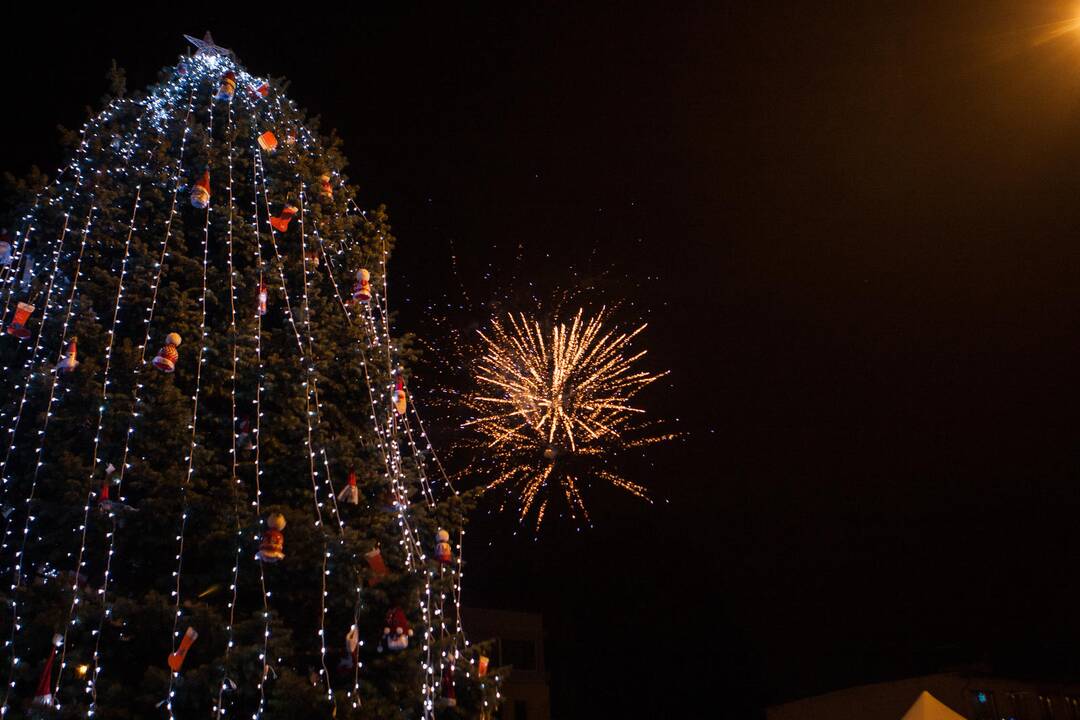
(272, 547)
(5, 252)
(280, 222)
(200, 194)
(268, 142)
(227, 87)
(350, 493)
(443, 553)
(69, 361)
(325, 190)
(399, 395)
(263, 297)
(362, 290)
(44, 694)
(165, 361)
(378, 567)
(176, 658)
(396, 632)
(18, 323)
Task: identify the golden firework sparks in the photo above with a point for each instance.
(553, 406)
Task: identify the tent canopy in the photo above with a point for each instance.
(928, 707)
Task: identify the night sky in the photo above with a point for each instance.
(855, 233)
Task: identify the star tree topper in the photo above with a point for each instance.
(206, 46)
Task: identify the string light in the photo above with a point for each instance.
(200, 359)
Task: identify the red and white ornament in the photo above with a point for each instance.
(200, 194)
(362, 289)
(272, 547)
(261, 91)
(165, 360)
(69, 360)
(350, 493)
(18, 323)
(176, 659)
(44, 694)
(280, 222)
(396, 632)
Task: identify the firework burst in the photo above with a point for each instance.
(553, 407)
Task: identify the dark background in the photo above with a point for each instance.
(854, 233)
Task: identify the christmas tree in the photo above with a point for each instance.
(218, 497)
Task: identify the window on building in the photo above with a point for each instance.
(519, 653)
(982, 705)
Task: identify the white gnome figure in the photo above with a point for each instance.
(443, 552)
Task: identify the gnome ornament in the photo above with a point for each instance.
(69, 361)
(350, 493)
(311, 257)
(280, 222)
(396, 632)
(165, 361)
(290, 136)
(442, 547)
(398, 397)
(227, 87)
(362, 290)
(272, 547)
(200, 194)
(44, 695)
(325, 190)
(268, 142)
(18, 323)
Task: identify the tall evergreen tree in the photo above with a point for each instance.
(146, 481)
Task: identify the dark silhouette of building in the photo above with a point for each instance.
(519, 643)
